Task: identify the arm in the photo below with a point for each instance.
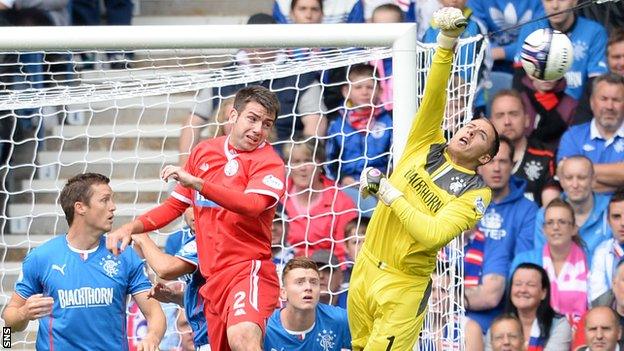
(610, 174)
(156, 322)
(474, 336)
(486, 295)
(166, 266)
(524, 240)
(167, 293)
(20, 311)
(189, 136)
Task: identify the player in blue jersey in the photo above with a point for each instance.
(168, 267)
(76, 287)
(305, 324)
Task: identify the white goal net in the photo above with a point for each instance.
(122, 113)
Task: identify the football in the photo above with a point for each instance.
(547, 54)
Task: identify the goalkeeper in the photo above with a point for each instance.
(432, 196)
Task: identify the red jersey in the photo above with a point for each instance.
(225, 237)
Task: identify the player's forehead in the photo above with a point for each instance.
(256, 109)
(301, 273)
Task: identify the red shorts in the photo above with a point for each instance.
(244, 292)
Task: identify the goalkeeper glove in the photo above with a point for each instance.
(373, 182)
(452, 23)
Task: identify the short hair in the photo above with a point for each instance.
(618, 196)
(579, 158)
(493, 150)
(78, 189)
(506, 140)
(612, 312)
(361, 70)
(507, 317)
(258, 94)
(261, 18)
(353, 224)
(299, 262)
(392, 8)
(616, 36)
(510, 93)
(293, 3)
(609, 78)
(313, 145)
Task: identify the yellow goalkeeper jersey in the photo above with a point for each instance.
(441, 199)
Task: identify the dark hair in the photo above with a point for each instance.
(510, 93)
(356, 223)
(609, 78)
(558, 202)
(261, 18)
(392, 8)
(506, 140)
(618, 196)
(78, 189)
(507, 317)
(616, 36)
(298, 262)
(545, 313)
(362, 70)
(259, 94)
(293, 3)
(496, 142)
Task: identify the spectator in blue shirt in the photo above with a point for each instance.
(588, 38)
(334, 11)
(602, 139)
(306, 324)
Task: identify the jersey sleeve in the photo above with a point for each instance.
(29, 282)
(267, 177)
(458, 215)
(180, 192)
(427, 126)
(597, 55)
(188, 251)
(137, 273)
(567, 146)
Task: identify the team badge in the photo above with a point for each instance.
(273, 182)
(588, 148)
(619, 146)
(326, 339)
(457, 184)
(479, 206)
(110, 265)
(378, 130)
(231, 167)
(533, 170)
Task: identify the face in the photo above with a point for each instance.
(354, 245)
(544, 85)
(385, 16)
(554, 6)
(615, 57)
(459, 4)
(440, 285)
(277, 233)
(362, 90)
(251, 126)
(559, 227)
(507, 336)
(331, 279)
(616, 220)
(607, 105)
(473, 141)
(99, 212)
(301, 289)
(307, 12)
(601, 330)
(303, 170)
(575, 177)
(526, 289)
(497, 172)
(509, 118)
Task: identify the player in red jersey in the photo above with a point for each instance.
(233, 183)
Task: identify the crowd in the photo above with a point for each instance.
(542, 268)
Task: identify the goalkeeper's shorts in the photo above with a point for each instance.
(386, 307)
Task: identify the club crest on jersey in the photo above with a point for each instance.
(326, 339)
(110, 265)
(231, 167)
(479, 206)
(457, 184)
(273, 182)
(533, 170)
(204, 167)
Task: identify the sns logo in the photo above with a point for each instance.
(59, 268)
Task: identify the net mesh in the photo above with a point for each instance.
(121, 113)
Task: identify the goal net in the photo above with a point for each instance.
(123, 113)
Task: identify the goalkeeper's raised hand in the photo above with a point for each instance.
(373, 182)
(452, 23)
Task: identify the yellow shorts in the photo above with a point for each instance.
(386, 307)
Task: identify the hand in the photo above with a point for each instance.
(452, 23)
(164, 293)
(149, 343)
(123, 235)
(372, 181)
(37, 306)
(183, 177)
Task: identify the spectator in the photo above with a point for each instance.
(610, 14)
(602, 139)
(506, 229)
(589, 40)
(590, 209)
(602, 330)
(563, 259)
(506, 334)
(56, 10)
(532, 161)
(318, 211)
(355, 232)
(306, 11)
(281, 251)
(335, 11)
(610, 251)
(304, 324)
(361, 135)
(299, 94)
(550, 109)
(407, 9)
(424, 14)
(615, 61)
(528, 298)
(333, 289)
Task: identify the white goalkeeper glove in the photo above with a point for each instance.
(452, 23)
(373, 182)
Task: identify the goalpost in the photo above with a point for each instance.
(64, 112)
